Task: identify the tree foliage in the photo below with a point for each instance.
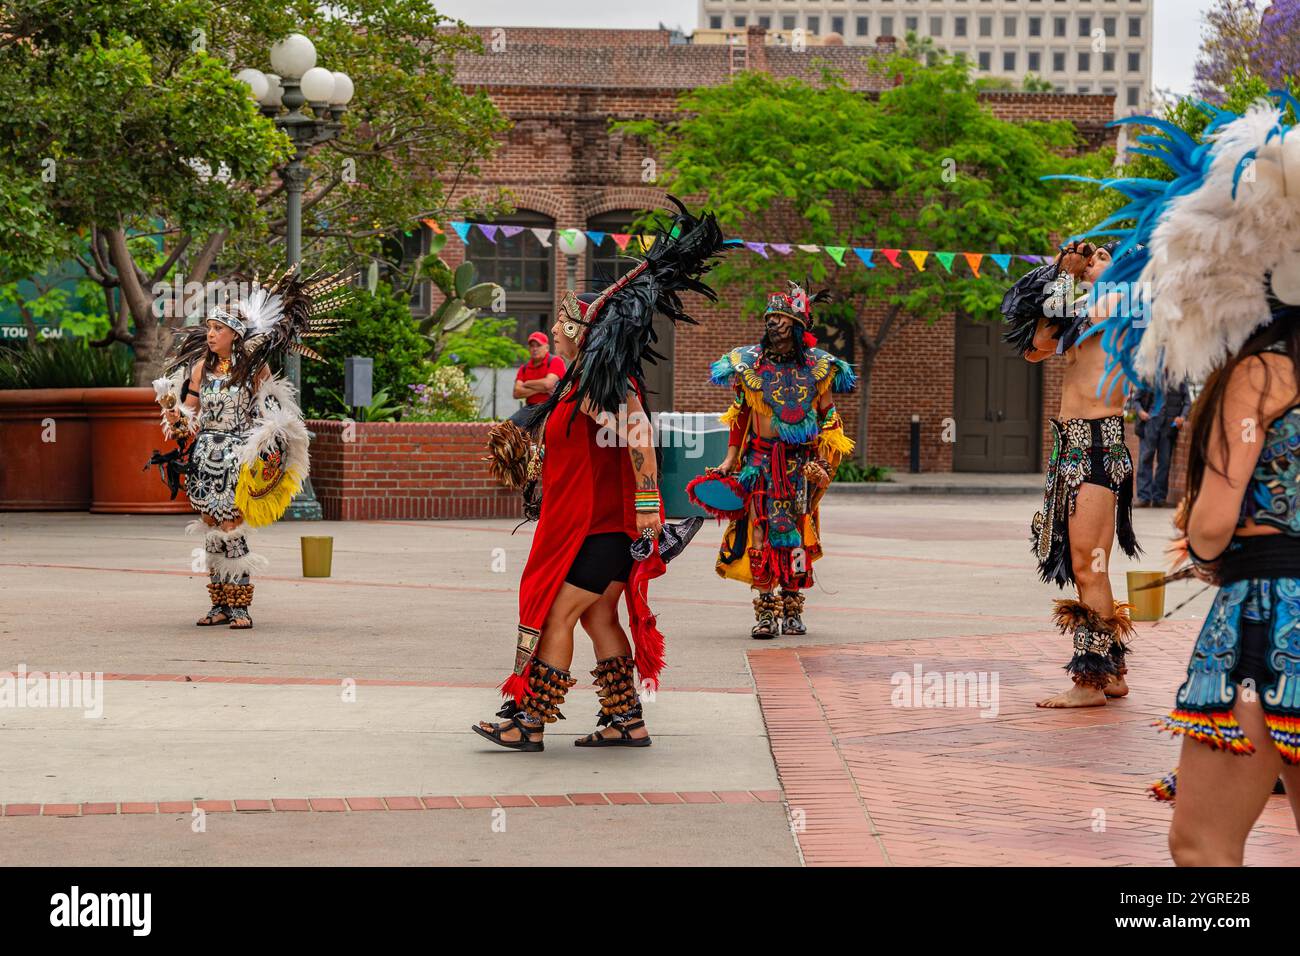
(1241, 41)
(126, 131)
(377, 326)
(924, 166)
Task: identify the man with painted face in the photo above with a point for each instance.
(786, 442)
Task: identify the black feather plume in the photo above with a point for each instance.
(620, 335)
(1022, 307)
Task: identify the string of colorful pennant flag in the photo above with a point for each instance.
(918, 257)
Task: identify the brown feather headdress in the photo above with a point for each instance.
(272, 319)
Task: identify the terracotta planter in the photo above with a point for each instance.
(124, 432)
(44, 450)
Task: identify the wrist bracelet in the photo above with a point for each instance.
(647, 501)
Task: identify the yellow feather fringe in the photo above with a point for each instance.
(731, 415)
(263, 502)
(833, 441)
(756, 402)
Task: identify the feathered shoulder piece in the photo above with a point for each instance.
(617, 324)
(735, 363)
(836, 371)
(272, 318)
(1196, 252)
(741, 367)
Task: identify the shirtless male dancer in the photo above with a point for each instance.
(1088, 493)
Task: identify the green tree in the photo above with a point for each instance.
(486, 344)
(1189, 114)
(923, 166)
(376, 326)
(125, 129)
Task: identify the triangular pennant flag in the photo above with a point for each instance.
(433, 224)
(620, 239)
(596, 237)
(1002, 259)
(811, 248)
(511, 231)
(1032, 260)
(836, 253)
(489, 231)
(865, 255)
(892, 256)
(568, 235)
(543, 236)
(782, 247)
(462, 230)
(946, 258)
(646, 242)
(973, 259)
(759, 247)
(918, 256)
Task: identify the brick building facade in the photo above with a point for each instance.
(566, 169)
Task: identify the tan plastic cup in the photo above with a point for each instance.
(1148, 605)
(317, 555)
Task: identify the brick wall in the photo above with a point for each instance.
(562, 160)
(406, 470)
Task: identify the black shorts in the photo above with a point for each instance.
(602, 560)
(1252, 656)
(1097, 474)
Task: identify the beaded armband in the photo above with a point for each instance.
(647, 501)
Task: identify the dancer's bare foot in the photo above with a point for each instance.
(1118, 687)
(1076, 696)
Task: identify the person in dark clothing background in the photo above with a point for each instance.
(1157, 432)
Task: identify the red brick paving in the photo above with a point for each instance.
(370, 804)
(869, 782)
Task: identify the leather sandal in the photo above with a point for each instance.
(625, 738)
(525, 730)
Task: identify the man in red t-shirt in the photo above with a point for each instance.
(538, 376)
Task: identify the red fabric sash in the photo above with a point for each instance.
(568, 511)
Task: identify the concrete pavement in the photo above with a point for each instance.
(417, 622)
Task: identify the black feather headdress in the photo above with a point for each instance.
(619, 321)
(272, 319)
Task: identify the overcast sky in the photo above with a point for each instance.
(1177, 27)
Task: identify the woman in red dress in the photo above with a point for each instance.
(599, 469)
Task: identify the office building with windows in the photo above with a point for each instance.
(1078, 46)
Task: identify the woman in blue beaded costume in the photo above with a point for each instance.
(1216, 253)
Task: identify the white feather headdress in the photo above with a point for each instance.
(1214, 250)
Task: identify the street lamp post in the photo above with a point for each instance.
(573, 243)
(282, 95)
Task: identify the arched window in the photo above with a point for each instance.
(522, 266)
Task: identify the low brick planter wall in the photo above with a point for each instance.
(406, 470)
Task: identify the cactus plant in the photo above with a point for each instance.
(464, 298)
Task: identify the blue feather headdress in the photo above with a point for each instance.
(1188, 283)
